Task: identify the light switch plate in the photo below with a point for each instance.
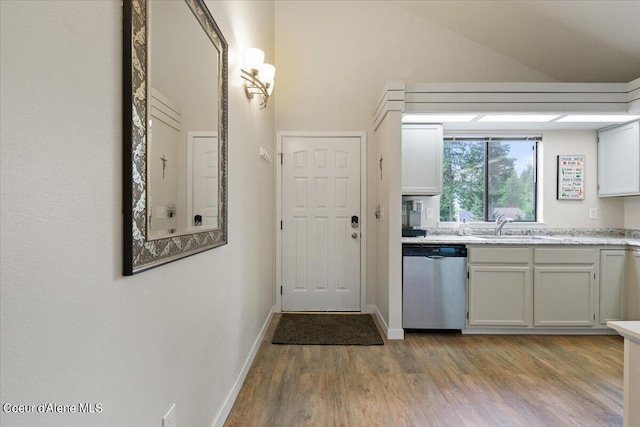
(430, 213)
(160, 212)
(593, 213)
(169, 420)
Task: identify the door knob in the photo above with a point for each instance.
(354, 235)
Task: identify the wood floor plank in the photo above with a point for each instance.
(436, 380)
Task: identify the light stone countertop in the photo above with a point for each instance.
(523, 240)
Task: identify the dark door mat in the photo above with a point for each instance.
(327, 329)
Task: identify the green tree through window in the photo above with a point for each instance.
(483, 178)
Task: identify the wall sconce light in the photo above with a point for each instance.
(259, 77)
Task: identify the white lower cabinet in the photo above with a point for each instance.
(563, 296)
(613, 288)
(634, 286)
(499, 286)
(499, 295)
(546, 287)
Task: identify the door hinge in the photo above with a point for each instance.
(468, 275)
(280, 224)
(594, 317)
(594, 278)
(467, 315)
(280, 290)
(281, 158)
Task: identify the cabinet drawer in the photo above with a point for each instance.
(563, 256)
(500, 255)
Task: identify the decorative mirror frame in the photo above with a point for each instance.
(140, 254)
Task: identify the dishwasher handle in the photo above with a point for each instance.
(434, 257)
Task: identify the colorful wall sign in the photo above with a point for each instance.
(571, 177)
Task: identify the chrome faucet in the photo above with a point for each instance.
(501, 221)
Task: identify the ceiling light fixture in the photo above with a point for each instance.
(598, 118)
(259, 77)
(518, 118)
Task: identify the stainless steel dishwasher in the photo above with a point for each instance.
(434, 283)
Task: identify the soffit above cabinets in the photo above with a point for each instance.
(542, 106)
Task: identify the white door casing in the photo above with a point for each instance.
(202, 178)
(319, 252)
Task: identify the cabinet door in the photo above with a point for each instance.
(499, 296)
(613, 264)
(421, 159)
(563, 296)
(634, 283)
(619, 161)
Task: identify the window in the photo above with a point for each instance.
(487, 177)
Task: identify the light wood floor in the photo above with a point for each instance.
(436, 380)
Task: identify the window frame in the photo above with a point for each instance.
(485, 139)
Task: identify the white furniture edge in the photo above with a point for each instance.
(627, 328)
(630, 330)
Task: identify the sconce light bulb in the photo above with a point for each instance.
(253, 58)
(266, 73)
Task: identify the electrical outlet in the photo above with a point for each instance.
(430, 213)
(593, 213)
(169, 420)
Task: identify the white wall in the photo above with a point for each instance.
(334, 58)
(632, 213)
(381, 182)
(73, 328)
(575, 213)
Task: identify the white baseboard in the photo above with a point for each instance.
(392, 334)
(237, 385)
(395, 334)
(537, 331)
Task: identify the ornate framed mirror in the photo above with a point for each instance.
(174, 132)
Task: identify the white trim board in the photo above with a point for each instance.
(363, 208)
(508, 97)
(391, 99)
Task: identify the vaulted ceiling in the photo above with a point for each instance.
(569, 41)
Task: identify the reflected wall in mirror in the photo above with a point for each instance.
(175, 126)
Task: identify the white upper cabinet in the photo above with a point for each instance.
(619, 161)
(421, 159)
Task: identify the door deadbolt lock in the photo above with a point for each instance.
(354, 221)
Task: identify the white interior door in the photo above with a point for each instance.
(321, 224)
(203, 176)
